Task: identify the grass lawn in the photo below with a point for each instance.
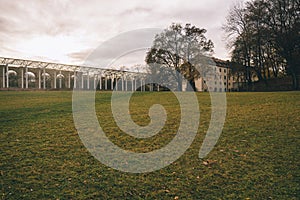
(256, 157)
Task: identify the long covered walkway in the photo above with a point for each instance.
(29, 74)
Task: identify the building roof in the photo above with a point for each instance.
(221, 63)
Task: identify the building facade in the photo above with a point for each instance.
(219, 80)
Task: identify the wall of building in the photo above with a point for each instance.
(220, 81)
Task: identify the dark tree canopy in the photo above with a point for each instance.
(264, 36)
(175, 49)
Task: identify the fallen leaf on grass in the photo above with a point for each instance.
(209, 162)
(205, 163)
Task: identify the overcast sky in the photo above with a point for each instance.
(68, 30)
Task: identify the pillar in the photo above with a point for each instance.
(7, 77)
(82, 81)
(105, 82)
(39, 80)
(60, 77)
(88, 80)
(95, 82)
(116, 84)
(100, 81)
(3, 77)
(122, 79)
(54, 80)
(75, 80)
(69, 85)
(112, 82)
(144, 85)
(22, 78)
(132, 89)
(44, 77)
(26, 77)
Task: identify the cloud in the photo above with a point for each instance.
(80, 55)
(85, 24)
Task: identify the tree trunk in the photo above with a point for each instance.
(179, 86)
(295, 81)
(191, 86)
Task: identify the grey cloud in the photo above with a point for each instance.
(136, 10)
(80, 55)
(122, 44)
(96, 20)
(34, 17)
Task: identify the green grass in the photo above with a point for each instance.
(256, 157)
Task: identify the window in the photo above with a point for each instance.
(224, 70)
(204, 82)
(224, 77)
(224, 83)
(220, 70)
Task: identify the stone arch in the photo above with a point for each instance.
(31, 79)
(13, 78)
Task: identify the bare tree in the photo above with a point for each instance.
(264, 36)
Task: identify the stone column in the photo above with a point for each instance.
(69, 80)
(122, 79)
(144, 85)
(100, 83)
(60, 77)
(82, 81)
(132, 88)
(22, 78)
(54, 85)
(7, 77)
(26, 77)
(95, 82)
(3, 77)
(116, 84)
(39, 78)
(112, 82)
(44, 77)
(75, 80)
(126, 84)
(88, 80)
